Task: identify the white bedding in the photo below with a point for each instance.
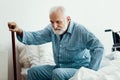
(109, 71)
(31, 55)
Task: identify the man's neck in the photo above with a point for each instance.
(61, 36)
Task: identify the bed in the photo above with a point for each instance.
(31, 55)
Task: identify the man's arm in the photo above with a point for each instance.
(96, 51)
(35, 38)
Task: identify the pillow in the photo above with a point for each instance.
(31, 55)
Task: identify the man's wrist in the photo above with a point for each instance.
(20, 32)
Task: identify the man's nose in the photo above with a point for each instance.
(55, 26)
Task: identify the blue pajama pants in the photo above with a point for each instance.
(49, 72)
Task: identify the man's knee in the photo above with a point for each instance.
(40, 72)
(32, 70)
(35, 73)
(31, 74)
(57, 74)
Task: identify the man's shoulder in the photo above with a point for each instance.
(78, 26)
(48, 27)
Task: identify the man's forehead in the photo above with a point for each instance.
(56, 16)
(56, 19)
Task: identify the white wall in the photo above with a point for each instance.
(96, 15)
(3, 65)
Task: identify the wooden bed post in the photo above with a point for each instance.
(14, 55)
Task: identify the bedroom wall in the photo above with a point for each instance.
(96, 15)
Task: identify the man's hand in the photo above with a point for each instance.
(13, 27)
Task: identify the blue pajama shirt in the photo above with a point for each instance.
(78, 46)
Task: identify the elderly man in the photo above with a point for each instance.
(73, 46)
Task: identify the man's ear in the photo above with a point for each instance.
(68, 18)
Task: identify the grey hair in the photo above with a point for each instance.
(56, 8)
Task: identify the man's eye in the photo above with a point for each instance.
(58, 22)
(51, 22)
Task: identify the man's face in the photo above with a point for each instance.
(59, 22)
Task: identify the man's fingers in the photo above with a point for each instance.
(11, 25)
(11, 30)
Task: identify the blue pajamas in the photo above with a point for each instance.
(78, 46)
(49, 72)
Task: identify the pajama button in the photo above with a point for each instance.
(60, 45)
